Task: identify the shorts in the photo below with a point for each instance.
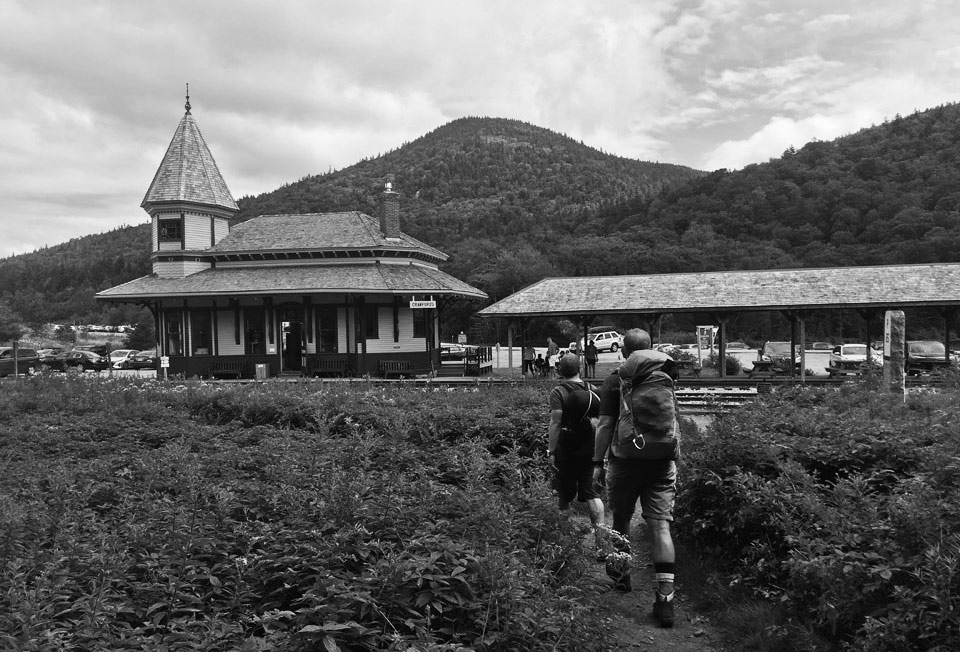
(574, 479)
(652, 482)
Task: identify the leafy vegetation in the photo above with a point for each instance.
(138, 515)
(350, 516)
(838, 505)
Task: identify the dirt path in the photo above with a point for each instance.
(630, 615)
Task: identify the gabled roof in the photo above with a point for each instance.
(188, 172)
(358, 278)
(882, 286)
(316, 232)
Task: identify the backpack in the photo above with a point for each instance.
(581, 407)
(647, 428)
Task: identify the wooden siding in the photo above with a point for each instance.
(226, 342)
(196, 231)
(178, 268)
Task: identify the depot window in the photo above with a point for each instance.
(170, 230)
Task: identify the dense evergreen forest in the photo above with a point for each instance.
(512, 203)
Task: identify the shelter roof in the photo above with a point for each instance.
(316, 232)
(356, 278)
(881, 286)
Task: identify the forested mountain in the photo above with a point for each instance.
(512, 203)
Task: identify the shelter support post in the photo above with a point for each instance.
(721, 322)
(510, 345)
(948, 313)
(802, 325)
(792, 318)
(649, 322)
(868, 315)
(584, 321)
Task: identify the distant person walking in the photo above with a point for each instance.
(641, 463)
(574, 407)
(590, 354)
(528, 357)
(552, 351)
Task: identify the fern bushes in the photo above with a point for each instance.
(841, 505)
(139, 515)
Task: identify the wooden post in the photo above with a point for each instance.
(803, 347)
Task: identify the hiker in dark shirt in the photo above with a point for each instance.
(574, 406)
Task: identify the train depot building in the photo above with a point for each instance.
(313, 294)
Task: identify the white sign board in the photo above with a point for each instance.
(423, 304)
(886, 335)
(164, 361)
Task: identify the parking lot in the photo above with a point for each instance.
(816, 361)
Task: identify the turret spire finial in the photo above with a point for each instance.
(187, 105)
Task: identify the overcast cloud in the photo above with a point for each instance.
(91, 92)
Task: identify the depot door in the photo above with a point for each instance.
(292, 346)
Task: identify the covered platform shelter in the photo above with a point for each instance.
(870, 290)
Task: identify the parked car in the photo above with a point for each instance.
(26, 362)
(925, 356)
(120, 359)
(451, 352)
(779, 354)
(736, 345)
(99, 349)
(822, 346)
(84, 361)
(146, 359)
(606, 341)
(51, 359)
(852, 359)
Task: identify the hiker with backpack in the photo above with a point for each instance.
(574, 406)
(636, 453)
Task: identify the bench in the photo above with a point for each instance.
(478, 361)
(327, 367)
(394, 368)
(763, 369)
(227, 369)
(400, 369)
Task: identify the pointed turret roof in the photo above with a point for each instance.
(188, 172)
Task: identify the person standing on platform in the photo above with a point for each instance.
(528, 358)
(552, 350)
(591, 355)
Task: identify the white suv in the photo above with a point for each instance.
(607, 341)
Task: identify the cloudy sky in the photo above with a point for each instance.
(91, 91)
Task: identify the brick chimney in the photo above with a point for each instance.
(390, 212)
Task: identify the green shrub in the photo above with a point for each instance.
(840, 504)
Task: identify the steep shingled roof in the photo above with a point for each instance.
(316, 232)
(881, 286)
(188, 172)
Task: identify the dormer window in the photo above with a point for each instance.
(170, 229)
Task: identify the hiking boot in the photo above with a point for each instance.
(663, 609)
